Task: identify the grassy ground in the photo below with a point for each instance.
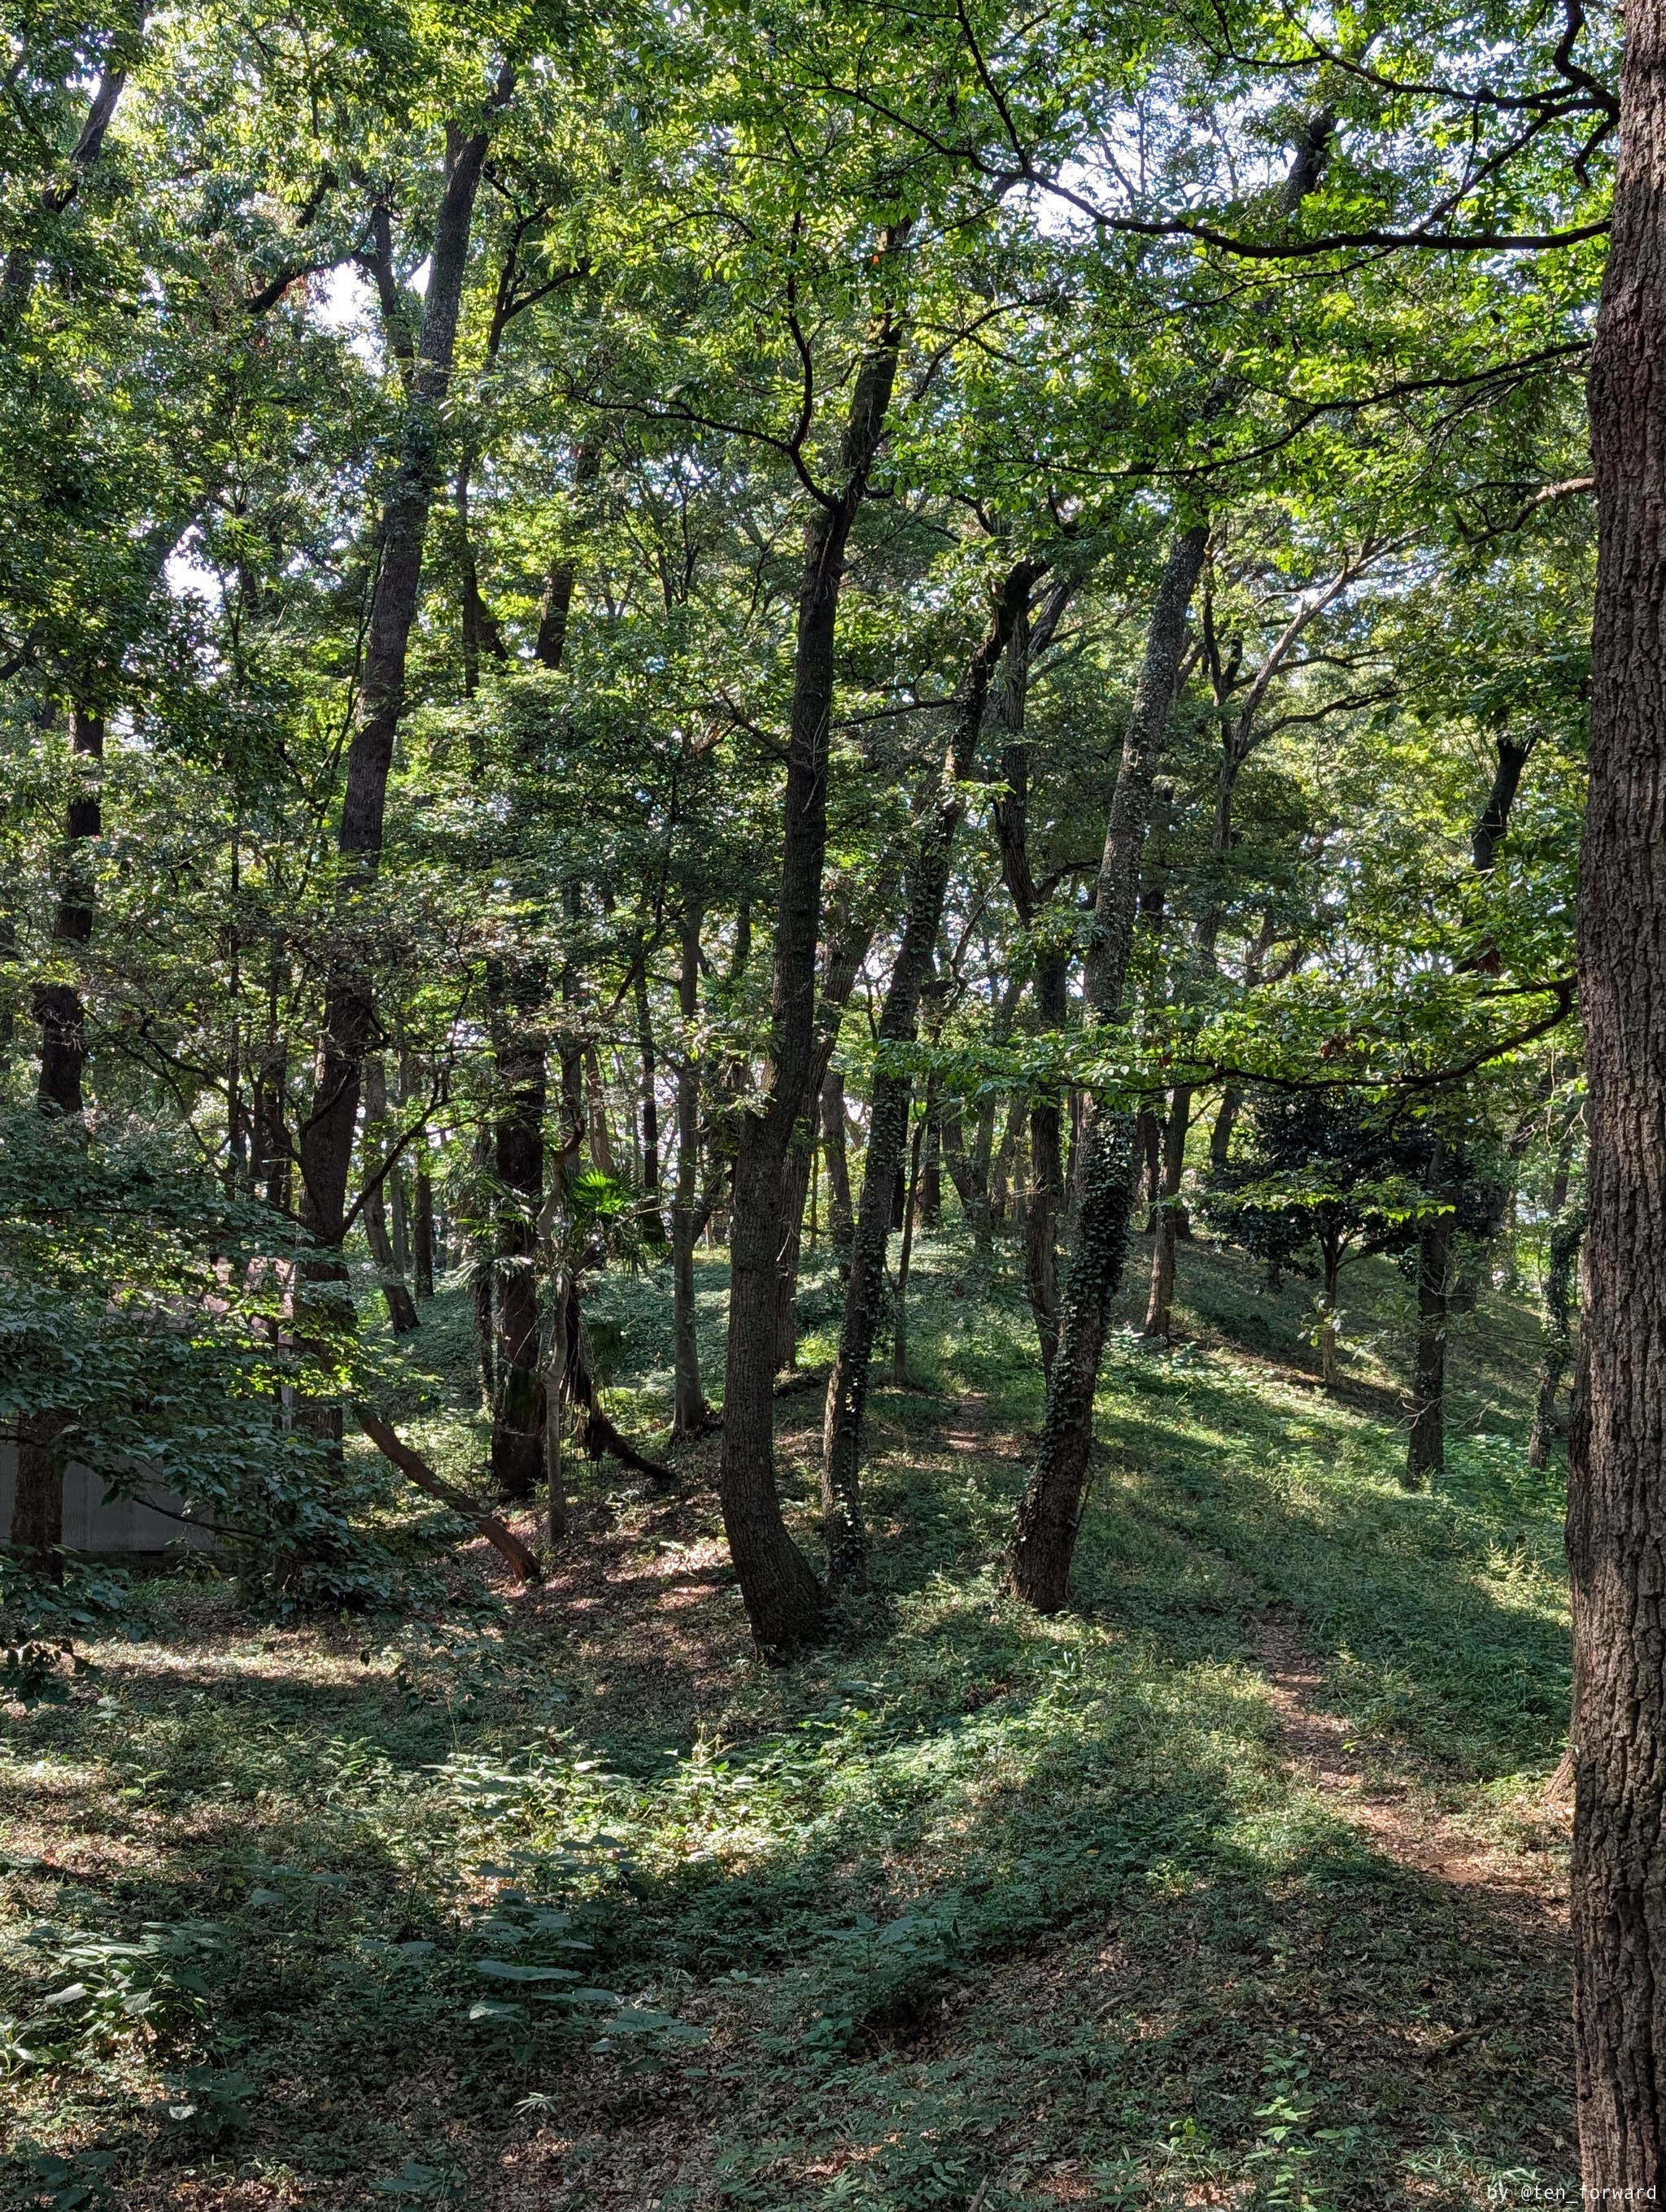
(562, 1900)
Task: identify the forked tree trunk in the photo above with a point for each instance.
(847, 1389)
(1616, 1499)
(782, 1596)
(1045, 1533)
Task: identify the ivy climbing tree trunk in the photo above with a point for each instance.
(782, 1597)
(1044, 1536)
(1616, 1499)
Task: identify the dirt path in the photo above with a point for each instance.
(1399, 1819)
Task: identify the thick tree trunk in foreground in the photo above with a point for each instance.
(847, 1387)
(1616, 1499)
(782, 1596)
(1045, 1534)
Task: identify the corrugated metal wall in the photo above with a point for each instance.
(92, 1523)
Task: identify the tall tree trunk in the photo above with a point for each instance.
(58, 1006)
(401, 1308)
(518, 1417)
(423, 1229)
(843, 956)
(841, 1214)
(1044, 1536)
(782, 1597)
(691, 1413)
(847, 1389)
(554, 614)
(1566, 1233)
(1160, 1303)
(1425, 1451)
(326, 1139)
(650, 1099)
(899, 1327)
(1616, 1502)
(931, 1167)
(1331, 1260)
(37, 1513)
(1437, 1296)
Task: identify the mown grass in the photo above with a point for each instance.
(969, 1907)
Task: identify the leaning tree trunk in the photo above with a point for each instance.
(782, 1597)
(1044, 1536)
(847, 1389)
(1616, 1499)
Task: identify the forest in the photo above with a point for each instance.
(832, 1196)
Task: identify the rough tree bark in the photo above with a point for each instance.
(1616, 1500)
(847, 1389)
(782, 1597)
(1045, 1533)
